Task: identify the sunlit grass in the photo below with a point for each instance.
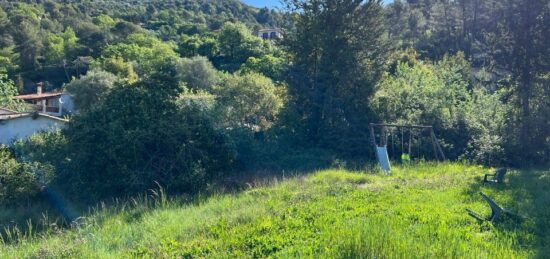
(416, 212)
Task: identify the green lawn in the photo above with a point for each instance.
(416, 212)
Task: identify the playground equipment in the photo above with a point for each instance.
(497, 177)
(496, 212)
(387, 131)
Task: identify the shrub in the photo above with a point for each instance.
(20, 181)
(248, 101)
(197, 73)
(268, 65)
(119, 67)
(47, 147)
(7, 91)
(138, 136)
(89, 89)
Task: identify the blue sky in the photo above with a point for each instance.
(263, 3)
(272, 3)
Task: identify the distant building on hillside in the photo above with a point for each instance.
(15, 125)
(270, 34)
(51, 103)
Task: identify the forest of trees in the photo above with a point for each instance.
(179, 93)
(507, 46)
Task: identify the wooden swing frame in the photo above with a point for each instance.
(438, 151)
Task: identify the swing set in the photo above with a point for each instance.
(390, 133)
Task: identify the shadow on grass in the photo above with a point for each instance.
(527, 194)
(53, 211)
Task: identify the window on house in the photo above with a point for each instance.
(265, 36)
(273, 35)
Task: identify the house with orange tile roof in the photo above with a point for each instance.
(51, 103)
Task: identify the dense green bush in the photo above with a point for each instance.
(47, 148)
(7, 91)
(268, 65)
(20, 181)
(139, 135)
(250, 101)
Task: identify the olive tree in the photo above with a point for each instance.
(197, 73)
(91, 88)
(248, 101)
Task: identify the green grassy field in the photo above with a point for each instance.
(416, 212)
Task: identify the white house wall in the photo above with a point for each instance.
(22, 128)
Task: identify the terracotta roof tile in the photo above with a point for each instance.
(37, 96)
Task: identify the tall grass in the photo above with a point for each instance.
(416, 212)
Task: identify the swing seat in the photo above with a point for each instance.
(497, 177)
(405, 158)
(496, 211)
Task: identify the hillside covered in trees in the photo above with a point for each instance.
(57, 40)
(183, 94)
